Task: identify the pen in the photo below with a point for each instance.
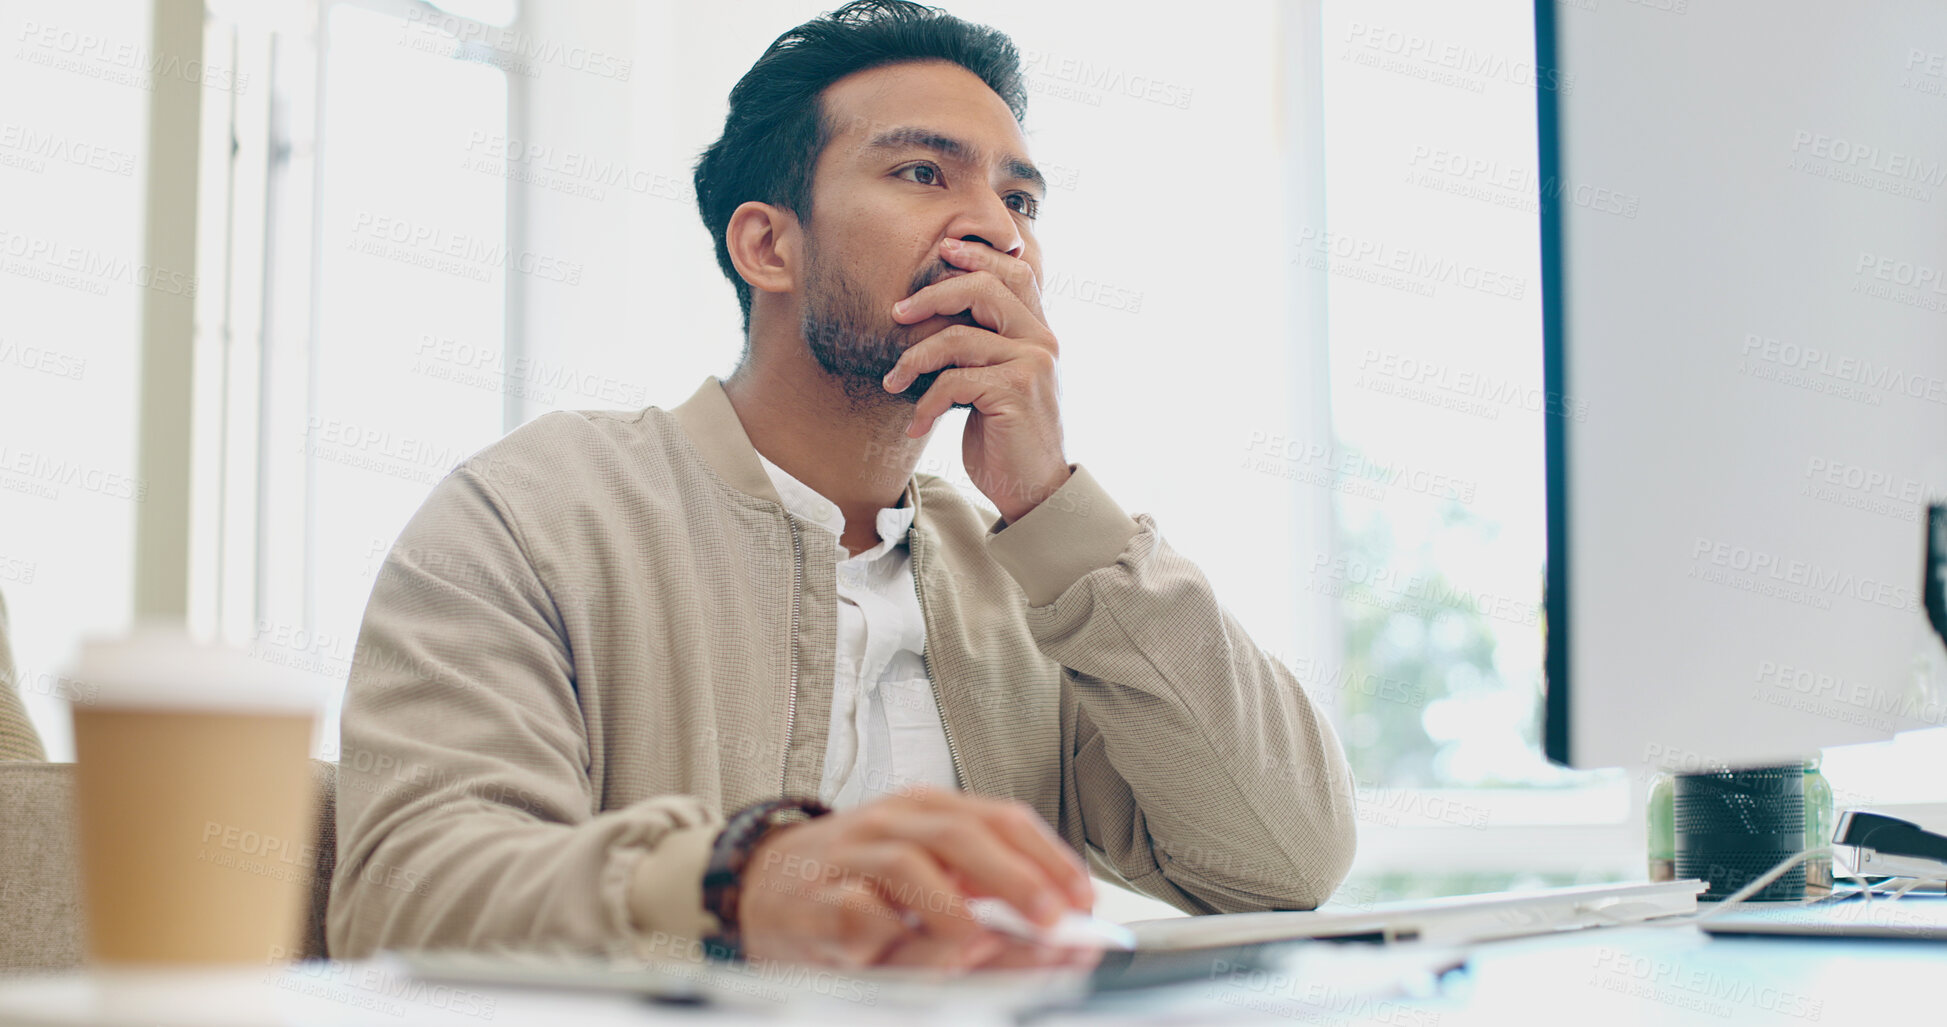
(1073, 929)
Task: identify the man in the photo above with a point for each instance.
(610, 631)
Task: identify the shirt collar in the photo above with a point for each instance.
(712, 426)
(800, 500)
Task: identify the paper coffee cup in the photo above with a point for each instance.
(194, 802)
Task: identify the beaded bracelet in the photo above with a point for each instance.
(723, 879)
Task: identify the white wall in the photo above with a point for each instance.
(73, 116)
(1170, 205)
(1162, 137)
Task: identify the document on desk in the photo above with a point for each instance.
(762, 986)
(1454, 920)
(1132, 985)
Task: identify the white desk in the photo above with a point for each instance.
(363, 994)
(1666, 975)
(1630, 975)
(325, 995)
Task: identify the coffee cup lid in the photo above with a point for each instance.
(162, 667)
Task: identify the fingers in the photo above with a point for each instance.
(844, 924)
(1017, 274)
(957, 831)
(988, 389)
(958, 387)
(1031, 836)
(910, 879)
(867, 926)
(931, 950)
(954, 346)
(1015, 953)
(981, 294)
(888, 884)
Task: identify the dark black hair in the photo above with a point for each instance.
(777, 127)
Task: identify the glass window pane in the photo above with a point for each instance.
(412, 254)
(73, 276)
(1435, 308)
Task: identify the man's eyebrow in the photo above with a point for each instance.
(896, 138)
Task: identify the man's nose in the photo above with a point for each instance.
(990, 221)
(1013, 249)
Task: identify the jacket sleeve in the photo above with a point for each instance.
(466, 814)
(1202, 772)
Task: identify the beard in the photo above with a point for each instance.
(856, 340)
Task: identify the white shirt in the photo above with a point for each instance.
(886, 735)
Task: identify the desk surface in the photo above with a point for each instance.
(1678, 975)
(1625, 975)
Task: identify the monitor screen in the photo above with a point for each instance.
(1745, 305)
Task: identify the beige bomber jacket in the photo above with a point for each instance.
(603, 633)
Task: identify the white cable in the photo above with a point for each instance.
(1912, 883)
(1758, 885)
(1784, 867)
(1852, 874)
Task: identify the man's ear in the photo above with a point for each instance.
(765, 245)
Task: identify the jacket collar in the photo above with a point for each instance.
(712, 424)
(988, 731)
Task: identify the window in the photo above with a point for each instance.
(72, 279)
(1291, 259)
(1430, 239)
(1432, 245)
(412, 268)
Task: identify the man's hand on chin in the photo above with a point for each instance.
(1004, 367)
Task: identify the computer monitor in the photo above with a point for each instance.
(1744, 250)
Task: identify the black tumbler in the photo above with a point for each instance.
(1733, 825)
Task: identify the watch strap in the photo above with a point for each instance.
(723, 876)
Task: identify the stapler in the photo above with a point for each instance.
(1891, 846)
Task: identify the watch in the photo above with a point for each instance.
(723, 878)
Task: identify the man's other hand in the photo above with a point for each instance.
(887, 884)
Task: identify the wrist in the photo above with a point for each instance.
(661, 890)
(1019, 497)
(731, 859)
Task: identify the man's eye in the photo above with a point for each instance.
(1028, 207)
(924, 174)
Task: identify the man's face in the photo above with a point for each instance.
(919, 153)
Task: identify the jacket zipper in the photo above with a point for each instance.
(926, 662)
(791, 696)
